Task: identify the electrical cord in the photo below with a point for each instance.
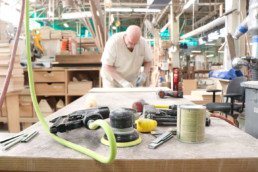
(222, 117)
(10, 68)
(93, 125)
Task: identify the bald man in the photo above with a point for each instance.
(123, 56)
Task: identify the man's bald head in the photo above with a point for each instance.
(133, 33)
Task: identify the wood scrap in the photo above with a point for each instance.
(231, 46)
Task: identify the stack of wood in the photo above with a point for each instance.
(55, 34)
(45, 33)
(86, 58)
(68, 34)
(17, 79)
(85, 43)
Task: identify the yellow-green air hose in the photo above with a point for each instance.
(94, 125)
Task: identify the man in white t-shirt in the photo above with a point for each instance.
(123, 56)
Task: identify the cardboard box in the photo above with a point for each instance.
(188, 86)
(79, 88)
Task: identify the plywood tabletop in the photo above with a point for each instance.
(224, 148)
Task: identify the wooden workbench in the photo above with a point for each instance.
(225, 148)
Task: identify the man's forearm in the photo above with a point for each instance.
(147, 67)
(112, 72)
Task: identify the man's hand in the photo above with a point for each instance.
(125, 84)
(141, 79)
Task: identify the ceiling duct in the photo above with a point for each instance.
(157, 4)
(68, 3)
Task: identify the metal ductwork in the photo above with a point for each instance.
(157, 4)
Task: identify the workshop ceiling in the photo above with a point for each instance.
(205, 8)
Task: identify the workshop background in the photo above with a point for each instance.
(205, 63)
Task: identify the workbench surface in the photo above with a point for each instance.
(225, 147)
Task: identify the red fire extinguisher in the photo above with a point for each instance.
(175, 79)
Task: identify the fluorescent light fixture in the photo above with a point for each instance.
(149, 40)
(119, 9)
(210, 44)
(66, 25)
(210, 55)
(76, 15)
(196, 51)
(184, 40)
(188, 4)
(145, 10)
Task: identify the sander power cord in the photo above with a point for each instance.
(94, 125)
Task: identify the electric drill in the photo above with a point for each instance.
(78, 119)
(138, 106)
(175, 94)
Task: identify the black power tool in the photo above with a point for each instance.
(121, 121)
(78, 119)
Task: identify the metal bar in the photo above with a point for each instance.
(10, 138)
(29, 137)
(13, 143)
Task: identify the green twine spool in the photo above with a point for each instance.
(191, 123)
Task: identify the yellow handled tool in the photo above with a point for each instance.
(145, 125)
(37, 39)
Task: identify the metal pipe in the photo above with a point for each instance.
(204, 28)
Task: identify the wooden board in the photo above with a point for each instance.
(125, 90)
(224, 149)
(86, 59)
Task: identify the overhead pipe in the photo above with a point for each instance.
(205, 28)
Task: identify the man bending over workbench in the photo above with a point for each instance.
(123, 56)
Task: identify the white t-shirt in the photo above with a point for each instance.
(126, 63)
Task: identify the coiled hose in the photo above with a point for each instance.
(93, 125)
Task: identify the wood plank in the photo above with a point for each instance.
(12, 103)
(126, 90)
(231, 46)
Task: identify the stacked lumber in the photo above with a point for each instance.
(45, 32)
(55, 34)
(17, 78)
(68, 34)
(85, 43)
(88, 58)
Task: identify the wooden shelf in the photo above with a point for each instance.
(57, 77)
